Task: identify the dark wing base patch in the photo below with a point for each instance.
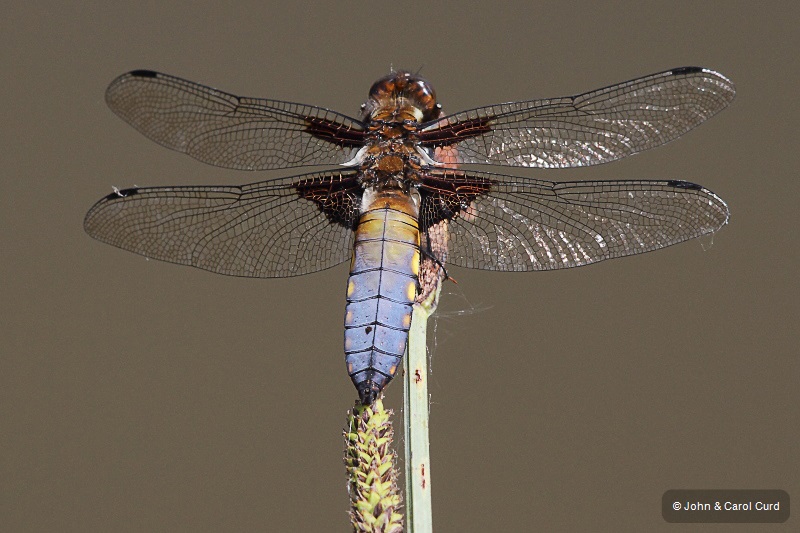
(338, 196)
(446, 194)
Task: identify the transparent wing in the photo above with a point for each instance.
(526, 224)
(231, 131)
(587, 129)
(276, 228)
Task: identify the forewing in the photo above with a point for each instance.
(525, 224)
(277, 228)
(231, 131)
(587, 129)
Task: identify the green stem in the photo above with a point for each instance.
(419, 514)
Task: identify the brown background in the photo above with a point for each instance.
(143, 396)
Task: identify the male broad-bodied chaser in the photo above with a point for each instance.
(403, 192)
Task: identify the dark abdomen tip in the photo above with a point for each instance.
(368, 392)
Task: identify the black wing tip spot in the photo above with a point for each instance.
(680, 184)
(142, 73)
(687, 70)
(122, 193)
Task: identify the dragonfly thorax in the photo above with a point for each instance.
(392, 164)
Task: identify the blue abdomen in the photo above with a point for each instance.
(381, 290)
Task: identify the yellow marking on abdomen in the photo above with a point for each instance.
(412, 291)
(415, 264)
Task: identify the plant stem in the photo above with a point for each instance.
(419, 514)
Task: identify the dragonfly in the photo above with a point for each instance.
(403, 189)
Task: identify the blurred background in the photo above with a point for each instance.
(143, 396)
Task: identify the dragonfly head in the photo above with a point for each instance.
(401, 96)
